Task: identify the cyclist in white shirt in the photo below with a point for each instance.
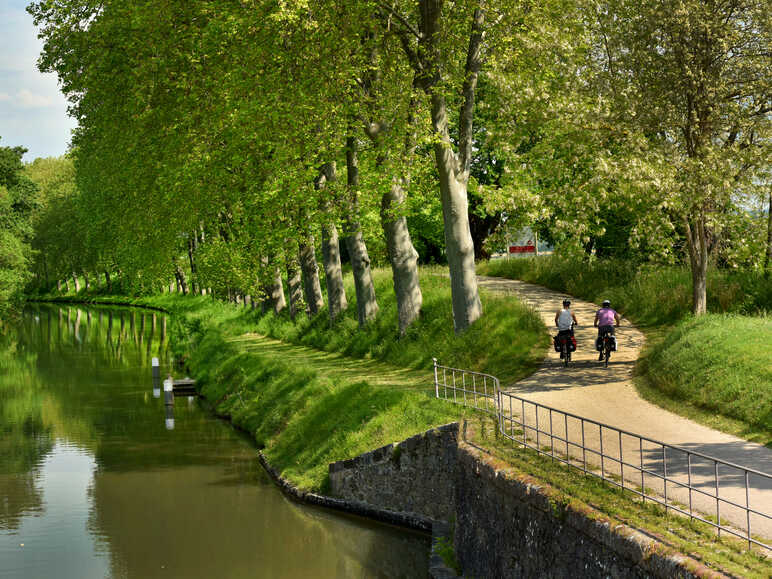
(565, 318)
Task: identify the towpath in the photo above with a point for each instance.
(608, 395)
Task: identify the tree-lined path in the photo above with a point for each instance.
(608, 395)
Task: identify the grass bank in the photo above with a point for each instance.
(508, 341)
(311, 393)
(714, 369)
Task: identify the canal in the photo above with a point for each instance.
(99, 479)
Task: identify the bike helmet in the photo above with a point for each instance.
(606, 304)
(566, 303)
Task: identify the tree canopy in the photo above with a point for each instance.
(227, 146)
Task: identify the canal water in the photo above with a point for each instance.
(98, 479)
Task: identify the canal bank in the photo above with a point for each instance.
(95, 481)
(301, 418)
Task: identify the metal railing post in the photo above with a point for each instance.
(436, 380)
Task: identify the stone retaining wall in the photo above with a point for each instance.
(506, 525)
(417, 475)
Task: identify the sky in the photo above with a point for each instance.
(33, 113)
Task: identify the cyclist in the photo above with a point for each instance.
(565, 320)
(605, 320)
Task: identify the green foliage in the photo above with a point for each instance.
(649, 294)
(18, 202)
(444, 548)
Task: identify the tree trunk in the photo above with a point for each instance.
(459, 246)
(454, 170)
(59, 285)
(180, 277)
(75, 282)
(293, 281)
(402, 255)
(336, 294)
(191, 249)
(697, 243)
(367, 306)
(312, 289)
(768, 258)
(276, 295)
(107, 281)
(67, 285)
(86, 283)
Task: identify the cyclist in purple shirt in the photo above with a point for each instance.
(605, 320)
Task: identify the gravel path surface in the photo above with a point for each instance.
(607, 395)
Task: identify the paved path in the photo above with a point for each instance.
(607, 395)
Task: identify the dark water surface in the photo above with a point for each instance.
(98, 480)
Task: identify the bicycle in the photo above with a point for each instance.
(567, 344)
(607, 346)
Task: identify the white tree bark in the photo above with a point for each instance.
(294, 283)
(454, 168)
(312, 289)
(367, 305)
(336, 294)
(768, 257)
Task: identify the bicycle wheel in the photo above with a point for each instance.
(607, 349)
(566, 353)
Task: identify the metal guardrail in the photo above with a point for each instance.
(681, 480)
(481, 389)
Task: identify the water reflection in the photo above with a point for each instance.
(152, 490)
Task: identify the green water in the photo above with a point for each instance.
(98, 478)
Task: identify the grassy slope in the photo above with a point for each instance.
(508, 341)
(715, 370)
(721, 364)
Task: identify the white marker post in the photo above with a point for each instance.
(169, 390)
(156, 378)
(169, 419)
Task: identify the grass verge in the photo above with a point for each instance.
(508, 341)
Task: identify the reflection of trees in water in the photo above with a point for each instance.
(107, 335)
(25, 439)
(210, 522)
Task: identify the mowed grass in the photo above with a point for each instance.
(720, 364)
(308, 408)
(714, 369)
(508, 341)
